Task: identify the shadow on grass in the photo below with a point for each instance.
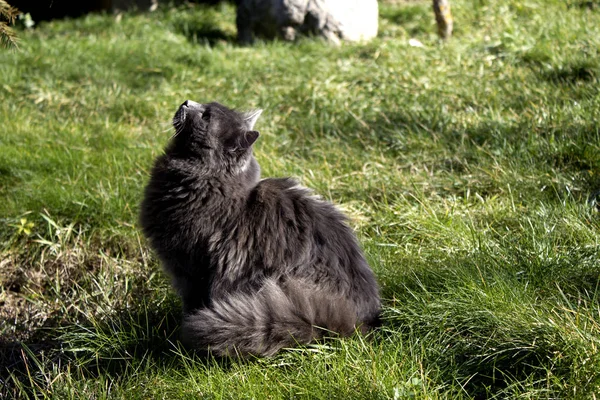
(585, 71)
(471, 331)
(204, 27)
(42, 10)
(584, 4)
(15, 360)
(109, 347)
(206, 34)
(410, 17)
(569, 147)
(8, 179)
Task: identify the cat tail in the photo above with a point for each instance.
(262, 323)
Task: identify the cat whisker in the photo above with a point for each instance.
(178, 128)
(166, 126)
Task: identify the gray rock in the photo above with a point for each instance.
(335, 20)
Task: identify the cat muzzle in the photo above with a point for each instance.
(192, 104)
(186, 108)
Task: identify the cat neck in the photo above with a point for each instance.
(226, 183)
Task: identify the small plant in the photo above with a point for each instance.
(23, 227)
(8, 15)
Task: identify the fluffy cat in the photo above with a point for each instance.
(259, 264)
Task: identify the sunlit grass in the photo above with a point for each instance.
(470, 170)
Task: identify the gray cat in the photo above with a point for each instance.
(260, 264)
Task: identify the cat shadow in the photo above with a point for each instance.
(145, 335)
(125, 339)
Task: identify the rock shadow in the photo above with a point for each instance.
(204, 27)
(584, 71)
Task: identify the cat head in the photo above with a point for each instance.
(213, 131)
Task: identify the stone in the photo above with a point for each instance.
(335, 20)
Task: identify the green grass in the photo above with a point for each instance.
(469, 169)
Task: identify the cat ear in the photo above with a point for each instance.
(248, 139)
(251, 117)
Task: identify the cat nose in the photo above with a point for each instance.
(191, 104)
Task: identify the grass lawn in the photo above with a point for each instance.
(470, 170)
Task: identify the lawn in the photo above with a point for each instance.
(470, 170)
